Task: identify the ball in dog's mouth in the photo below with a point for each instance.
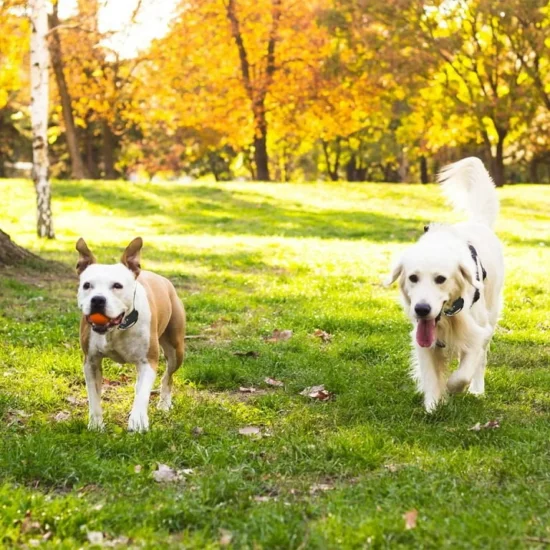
(425, 332)
(101, 323)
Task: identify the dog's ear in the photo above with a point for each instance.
(131, 256)
(395, 273)
(85, 258)
(468, 273)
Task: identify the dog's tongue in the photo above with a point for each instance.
(425, 332)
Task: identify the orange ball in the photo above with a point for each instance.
(99, 319)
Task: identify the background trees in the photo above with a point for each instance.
(279, 89)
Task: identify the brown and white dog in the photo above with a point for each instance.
(144, 314)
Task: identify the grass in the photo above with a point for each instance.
(246, 259)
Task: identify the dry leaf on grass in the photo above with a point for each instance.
(253, 354)
(225, 537)
(165, 474)
(410, 518)
(76, 400)
(324, 336)
(392, 468)
(491, 425)
(273, 382)
(16, 416)
(317, 392)
(243, 389)
(251, 431)
(62, 416)
(197, 430)
(279, 336)
(320, 488)
(95, 537)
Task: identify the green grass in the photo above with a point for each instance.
(246, 259)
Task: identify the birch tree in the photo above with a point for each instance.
(39, 116)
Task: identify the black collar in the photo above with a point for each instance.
(458, 305)
(129, 320)
(132, 318)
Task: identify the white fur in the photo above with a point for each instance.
(443, 251)
(123, 346)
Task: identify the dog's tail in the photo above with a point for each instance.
(469, 188)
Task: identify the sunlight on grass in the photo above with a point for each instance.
(247, 259)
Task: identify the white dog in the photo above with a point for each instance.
(451, 282)
(127, 315)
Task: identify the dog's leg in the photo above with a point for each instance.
(473, 358)
(477, 386)
(174, 359)
(139, 419)
(94, 380)
(428, 370)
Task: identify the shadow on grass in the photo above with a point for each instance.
(192, 209)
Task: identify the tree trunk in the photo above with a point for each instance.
(11, 254)
(261, 159)
(108, 149)
(424, 176)
(91, 157)
(78, 170)
(403, 169)
(499, 176)
(534, 170)
(39, 116)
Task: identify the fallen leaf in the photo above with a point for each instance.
(250, 431)
(317, 392)
(62, 416)
(491, 425)
(28, 525)
(279, 336)
(95, 537)
(410, 518)
(243, 389)
(392, 468)
(253, 354)
(76, 400)
(197, 430)
(273, 382)
(16, 416)
(262, 498)
(225, 537)
(165, 474)
(324, 336)
(320, 488)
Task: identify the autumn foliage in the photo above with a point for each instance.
(281, 89)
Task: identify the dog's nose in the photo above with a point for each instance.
(422, 309)
(98, 302)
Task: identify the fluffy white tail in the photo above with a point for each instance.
(469, 188)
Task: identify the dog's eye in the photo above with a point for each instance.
(413, 278)
(440, 279)
(118, 286)
(86, 286)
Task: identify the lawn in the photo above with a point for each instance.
(248, 259)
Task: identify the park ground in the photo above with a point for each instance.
(365, 468)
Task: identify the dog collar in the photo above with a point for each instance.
(129, 320)
(132, 318)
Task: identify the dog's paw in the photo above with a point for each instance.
(165, 403)
(138, 422)
(457, 383)
(96, 424)
(430, 404)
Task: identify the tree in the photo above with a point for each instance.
(11, 253)
(78, 170)
(39, 116)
